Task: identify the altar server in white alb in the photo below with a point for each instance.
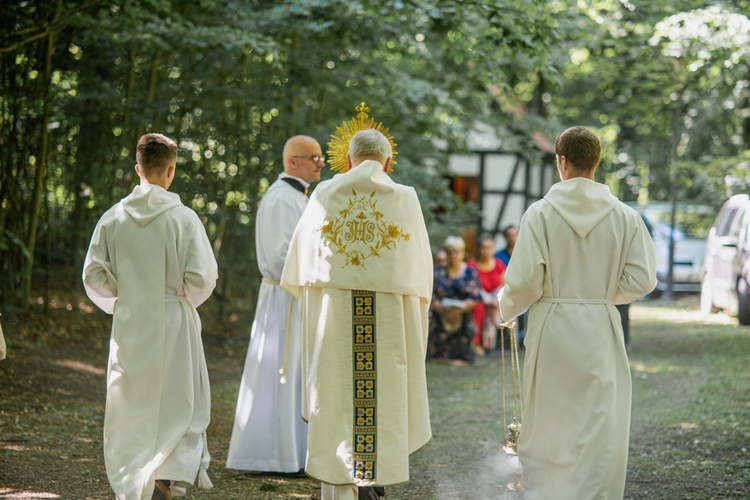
(579, 252)
(361, 265)
(150, 265)
(269, 434)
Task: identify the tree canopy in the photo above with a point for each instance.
(643, 73)
(230, 81)
(81, 80)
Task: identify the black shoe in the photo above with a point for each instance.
(299, 473)
(371, 492)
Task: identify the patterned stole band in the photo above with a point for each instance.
(365, 384)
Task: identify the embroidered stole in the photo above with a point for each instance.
(364, 348)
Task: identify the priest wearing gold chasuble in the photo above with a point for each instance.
(360, 264)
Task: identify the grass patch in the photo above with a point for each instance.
(690, 430)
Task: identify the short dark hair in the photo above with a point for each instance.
(581, 147)
(484, 237)
(155, 152)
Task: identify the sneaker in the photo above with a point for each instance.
(161, 490)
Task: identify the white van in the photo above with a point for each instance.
(726, 269)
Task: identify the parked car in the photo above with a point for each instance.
(725, 279)
(692, 224)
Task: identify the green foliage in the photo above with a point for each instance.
(231, 81)
(642, 70)
(81, 80)
(689, 421)
(713, 183)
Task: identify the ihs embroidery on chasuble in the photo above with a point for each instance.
(365, 384)
(361, 232)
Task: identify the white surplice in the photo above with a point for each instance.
(579, 252)
(269, 434)
(360, 262)
(150, 265)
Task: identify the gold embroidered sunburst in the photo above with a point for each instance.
(338, 146)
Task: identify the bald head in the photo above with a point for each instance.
(298, 158)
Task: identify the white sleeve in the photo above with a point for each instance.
(277, 219)
(639, 274)
(524, 277)
(98, 279)
(201, 270)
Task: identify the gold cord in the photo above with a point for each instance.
(511, 431)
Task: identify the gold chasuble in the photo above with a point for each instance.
(360, 263)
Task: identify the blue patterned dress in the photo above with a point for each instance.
(447, 341)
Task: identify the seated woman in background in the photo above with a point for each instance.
(456, 291)
(491, 271)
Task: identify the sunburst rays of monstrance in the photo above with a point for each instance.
(338, 146)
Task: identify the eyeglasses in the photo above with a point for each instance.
(315, 158)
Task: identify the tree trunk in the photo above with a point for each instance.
(150, 93)
(41, 171)
(129, 91)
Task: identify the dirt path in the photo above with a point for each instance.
(691, 415)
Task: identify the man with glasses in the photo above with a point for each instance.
(269, 434)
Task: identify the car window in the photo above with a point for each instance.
(724, 224)
(734, 229)
(745, 230)
(688, 223)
